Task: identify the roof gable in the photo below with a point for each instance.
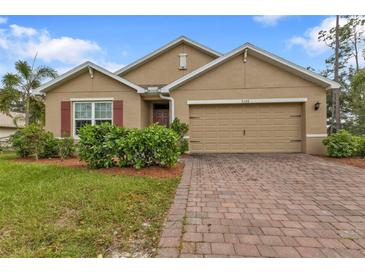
(174, 43)
(80, 69)
(262, 54)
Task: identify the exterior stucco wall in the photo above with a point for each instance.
(164, 69)
(145, 113)
(101, 86)
(257, 79)
(315, 146)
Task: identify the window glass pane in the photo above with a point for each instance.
(99, 122)
(79, 124)
(83, 110)
(103, 110)
(98, 107)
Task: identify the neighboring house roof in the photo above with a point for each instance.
(8, 122)
(271, 58)
(179, 40)
(82, 68)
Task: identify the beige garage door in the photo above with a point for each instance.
(246, 128)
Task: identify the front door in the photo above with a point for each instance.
(161, 116)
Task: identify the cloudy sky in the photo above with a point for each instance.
(114, 41)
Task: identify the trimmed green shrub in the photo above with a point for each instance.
(101, 145)
(360, 145)
(66, 148)
(154, 145)
(94, 147)
(19, 143)
(49, 146)
(33, 140)
(341, 144)
(181, 129)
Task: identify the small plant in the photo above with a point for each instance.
(4, 144)
(341, 144)
(48, 145)
(66, 148)
(181, 129)
(33, 140)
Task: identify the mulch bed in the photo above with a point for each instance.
(155, 172)
(358, 162)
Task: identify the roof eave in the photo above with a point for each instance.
(49, 85)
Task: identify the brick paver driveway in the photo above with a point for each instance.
(266, 205)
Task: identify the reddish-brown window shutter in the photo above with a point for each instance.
(118, 113)
(65, 118)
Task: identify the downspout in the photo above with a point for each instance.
(172, 105)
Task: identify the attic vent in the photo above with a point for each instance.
(183, 61)
(152, 89)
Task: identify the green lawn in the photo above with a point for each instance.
(51, 211)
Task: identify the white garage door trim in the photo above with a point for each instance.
(246, 101)
(317, 135)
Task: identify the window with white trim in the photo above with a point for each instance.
(183, 58)
(93, 113)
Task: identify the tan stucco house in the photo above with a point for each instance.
(247, 100)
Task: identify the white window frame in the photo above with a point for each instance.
(93, 119)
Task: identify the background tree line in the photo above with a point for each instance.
(346, 107)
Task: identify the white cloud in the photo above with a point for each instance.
(3, 20)
(64, 49)
(18, 31)
(268, 20)
(24, 42)
(62, 53)
(309, 40)
(3, 40)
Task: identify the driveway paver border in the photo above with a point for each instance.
(173, 228)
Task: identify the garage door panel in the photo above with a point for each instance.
(224, 122)
(246, 128)
(224, 147)
(194, 123)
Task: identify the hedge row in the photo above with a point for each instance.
(343, 144)
(107, 145)
(102, 146)
(34, 141)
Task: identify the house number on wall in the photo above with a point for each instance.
(245, 101)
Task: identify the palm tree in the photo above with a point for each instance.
(17, 87)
